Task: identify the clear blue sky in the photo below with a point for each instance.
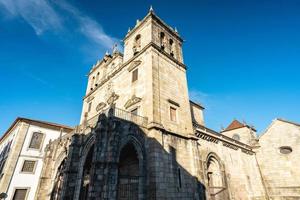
(243, 57)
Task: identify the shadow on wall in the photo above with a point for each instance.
(118, 161)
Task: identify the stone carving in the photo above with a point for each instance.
(133, 100)
(100, 106)
(90, 98)
(113, 97)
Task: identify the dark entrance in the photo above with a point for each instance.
(128, 176)
(57, 189)
(86, 175)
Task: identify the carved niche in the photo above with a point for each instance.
(133, 100)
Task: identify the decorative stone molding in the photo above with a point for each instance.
(173, 102)
(230, 146)
(133, 100)
(90, 98)
(113, 97)
(100, 106)
(134, 64)
(207, 138)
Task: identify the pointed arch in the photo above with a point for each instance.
(216, 177)
(131, 169)
(86, 155)
(58, 181)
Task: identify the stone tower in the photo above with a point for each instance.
(150, 79)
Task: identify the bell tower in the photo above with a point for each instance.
(148, 80)
(153, 30)
(159, 47)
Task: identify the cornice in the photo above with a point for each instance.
(152, 15)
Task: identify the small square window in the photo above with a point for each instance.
(36, 140)
(173, 116)
(135, 75)
(20, 194)
(28, 166)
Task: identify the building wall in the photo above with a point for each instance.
(19, 133)
(246, 134)
(197, 114)
(280, 171)
(241, 169)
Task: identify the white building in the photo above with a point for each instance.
(21, 155)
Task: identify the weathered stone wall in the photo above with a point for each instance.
(246, 134)
(280, 171)
(241, 170)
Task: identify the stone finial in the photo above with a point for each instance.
(151, 9)
(176, 30)
(115, 48)
(137, 22)
(128, 30)
(106, 53)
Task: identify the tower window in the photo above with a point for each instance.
(135, 75)
(137, 44)
(162, 40)
(36, 140)
(173, 116)
(171, 43)
(97, 77)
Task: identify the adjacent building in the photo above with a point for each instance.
(22, 149)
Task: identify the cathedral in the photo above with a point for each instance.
(141, 137)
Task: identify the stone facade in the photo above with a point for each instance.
(140, 137)
(278, 157)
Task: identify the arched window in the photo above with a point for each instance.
(137, 44)
(171, 45)
(85, 184)
(58, 182)
(97, 78)
(128, 173)
(162, 40)
(92, 82)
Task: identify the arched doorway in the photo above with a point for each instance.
(216, 179)
(128, 173)
(58, 182)
(85, 184)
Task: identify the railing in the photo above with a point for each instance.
(113, 112)
(128, 116)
